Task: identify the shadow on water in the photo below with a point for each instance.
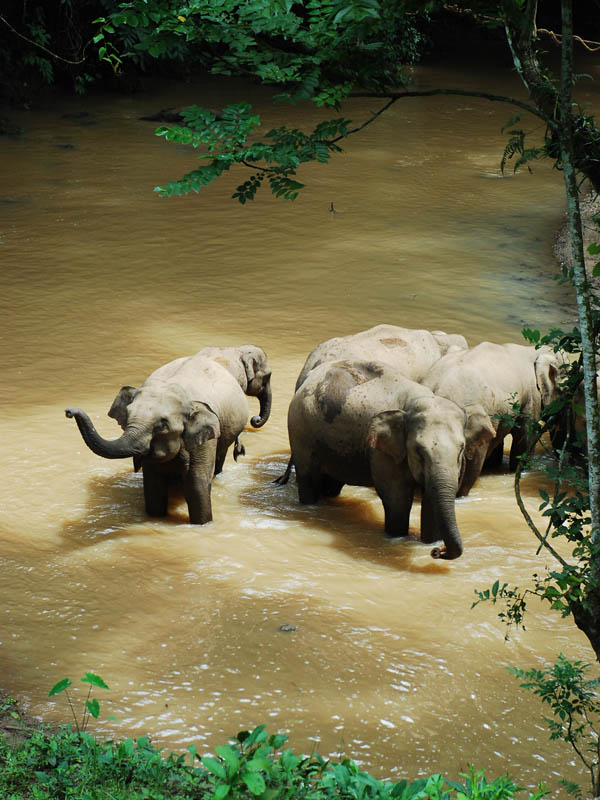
(114, 510)
(354, 524)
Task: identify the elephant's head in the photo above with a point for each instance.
(479, 433)
(449, 342)
(429, 438)
(549, 374)
(250, 367)
(155, 425)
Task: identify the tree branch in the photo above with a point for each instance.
(461, 93)
(45, 49)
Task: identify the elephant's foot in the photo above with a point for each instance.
(200, 518)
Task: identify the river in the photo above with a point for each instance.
(103, 281)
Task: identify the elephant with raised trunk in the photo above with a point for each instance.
(178, 425)
(410, 351)
(365, 424)
(495, 377)
(250, 367)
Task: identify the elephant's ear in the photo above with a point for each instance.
(200, 424)
(479, 430)
(547, 376)
(118, 410)
(386, 433)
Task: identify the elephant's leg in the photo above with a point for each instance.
(197, 482)
(395, 487)
(494, 459)
(308, 479)
(521, 443)
(330, 487)
(397, 511)
(222, 448)
(429, 526)
(156, 491)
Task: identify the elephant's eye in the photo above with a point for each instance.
(161, 426)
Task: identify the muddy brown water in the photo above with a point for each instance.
(103, 282)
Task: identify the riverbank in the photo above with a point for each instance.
(590, 207)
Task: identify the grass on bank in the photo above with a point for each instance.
(63, 764)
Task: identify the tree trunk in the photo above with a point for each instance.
(587, 617)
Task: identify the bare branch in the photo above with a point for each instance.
(45, 49)
(499, 98)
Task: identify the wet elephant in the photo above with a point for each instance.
(363, 423)
(178, 425)
(250, 367)
(495, 377)
(411, 351)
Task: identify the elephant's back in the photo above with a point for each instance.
(410, 351)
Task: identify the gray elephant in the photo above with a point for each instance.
(178, 425)
(494, 377)
(412, 352)
(250, 367)
(363, 423)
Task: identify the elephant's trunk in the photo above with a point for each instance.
(440, 497)
(265, 405)
(131, 443)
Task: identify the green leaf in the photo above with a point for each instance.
(60, 687)
(93, 706)
(214, 766)
(221, 791)
(94, 680)
(258, 764)
(254, 782)
(230, 756)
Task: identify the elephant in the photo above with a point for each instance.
(250, 367)
(494, 377)
(178, 425)
(363, 423)
(410, 351)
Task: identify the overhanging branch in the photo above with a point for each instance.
(498, 98)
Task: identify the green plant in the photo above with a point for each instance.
(91, 707)
(573, 699)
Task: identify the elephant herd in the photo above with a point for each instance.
(393, 408)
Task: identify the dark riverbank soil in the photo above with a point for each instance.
(14, 723)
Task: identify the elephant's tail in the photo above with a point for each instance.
(283, 479)
(238, 449)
